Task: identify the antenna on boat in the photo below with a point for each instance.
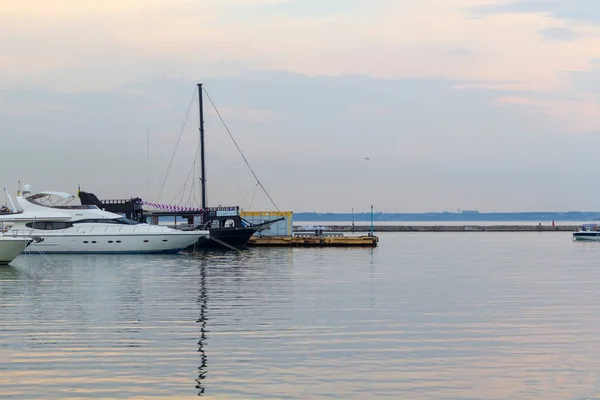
(148, 163)
(14, 209)
(202, 164)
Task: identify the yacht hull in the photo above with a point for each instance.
(10, 248)
(114, 244)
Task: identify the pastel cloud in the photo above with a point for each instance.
(574, 10)
(383, 38)
(582, 114)
(558, 33)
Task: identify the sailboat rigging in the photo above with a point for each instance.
(225, 225)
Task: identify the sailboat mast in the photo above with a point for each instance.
(202, 165)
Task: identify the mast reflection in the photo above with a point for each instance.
(202, 301)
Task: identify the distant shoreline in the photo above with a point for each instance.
(530, 217)
(440, 228)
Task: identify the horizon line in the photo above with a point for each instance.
(446, 212)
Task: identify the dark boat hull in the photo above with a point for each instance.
(587, 235)
(236, 237)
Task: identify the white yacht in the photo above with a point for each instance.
(12, 246)
(88, 229)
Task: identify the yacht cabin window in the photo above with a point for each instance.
(118, 221)
(49, 225)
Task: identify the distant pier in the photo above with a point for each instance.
(447, 228)
(314, 241)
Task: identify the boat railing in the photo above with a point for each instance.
(119, 201)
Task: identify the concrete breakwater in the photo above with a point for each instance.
(446, 228)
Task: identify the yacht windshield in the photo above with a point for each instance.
(127, 221)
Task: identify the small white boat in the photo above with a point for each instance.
(12, 246)
(588, 232)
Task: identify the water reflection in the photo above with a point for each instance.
(203, 303)
(9, 272)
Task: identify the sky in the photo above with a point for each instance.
(435, 105)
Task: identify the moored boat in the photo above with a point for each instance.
(88, 229)
(588, 232)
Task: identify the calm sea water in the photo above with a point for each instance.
(423, 316)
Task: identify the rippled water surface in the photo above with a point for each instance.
(448, 316)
